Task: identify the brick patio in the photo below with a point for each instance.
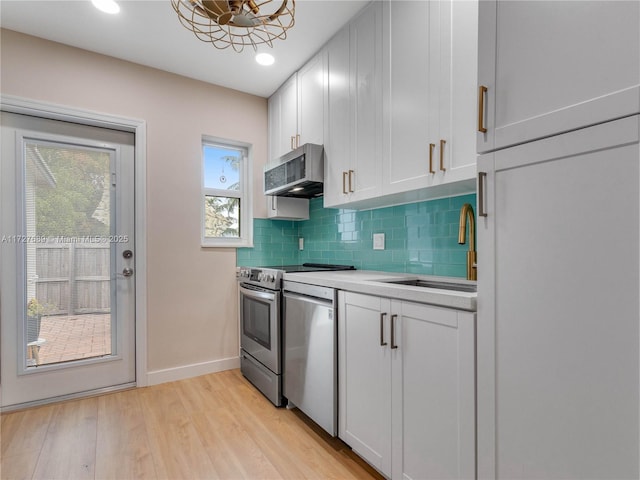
(75, 337)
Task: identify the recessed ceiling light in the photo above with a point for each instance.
(106, 6)
(265, 59)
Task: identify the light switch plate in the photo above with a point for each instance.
(378, 241)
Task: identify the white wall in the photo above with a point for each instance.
(192, 307)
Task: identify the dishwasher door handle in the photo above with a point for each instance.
(307, 298)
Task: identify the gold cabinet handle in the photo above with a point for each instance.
(482, 178)
(393, 331)
(442, 142)
(431, 147)
(351, 174)
(292, 140)
(481, 94)
(382, 342)
(273, 203)
(344, 182)
(297, 140)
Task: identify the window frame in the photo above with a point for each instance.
(243, 194)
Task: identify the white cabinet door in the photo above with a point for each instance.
(337, 120)
(430, 110)
(296, 109)
(407, 87)
(558, 324)
(551, 67)
(354, 155)
(458, 36)
(311, 92)
(365, 377)
(366, 103)
(407, 386)
(273, 105)
(283, 118)
(433, 393)
(289, 115)
(287, 208)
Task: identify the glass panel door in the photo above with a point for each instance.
(68, 260)
(67, 220)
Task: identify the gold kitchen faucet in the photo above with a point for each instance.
(466, 212)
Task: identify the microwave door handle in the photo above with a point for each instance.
(258, 294)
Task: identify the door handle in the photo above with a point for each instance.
(382, 342)
(393, 332)
(344, 182)
(442, 142)
(431, 147)
(293, 139)
(482, 179)
(297, 140)
(482, 91)
(127, 271)
(351, 173)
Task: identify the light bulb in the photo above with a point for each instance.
(106, 6)
(265, 59)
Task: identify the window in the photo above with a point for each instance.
(226, 205)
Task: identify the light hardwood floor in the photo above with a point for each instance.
(213, 426)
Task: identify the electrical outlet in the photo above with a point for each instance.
(378, 241)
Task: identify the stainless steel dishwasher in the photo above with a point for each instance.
(310, 352)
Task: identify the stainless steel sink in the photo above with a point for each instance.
(458, 287)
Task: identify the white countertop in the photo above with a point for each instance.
(369, 282)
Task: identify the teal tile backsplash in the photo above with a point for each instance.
(420, 238)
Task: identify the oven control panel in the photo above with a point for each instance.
(262, 277)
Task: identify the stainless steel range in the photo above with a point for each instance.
(261, 324)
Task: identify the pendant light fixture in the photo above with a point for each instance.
(236, 23)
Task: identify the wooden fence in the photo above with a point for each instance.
(73, 278)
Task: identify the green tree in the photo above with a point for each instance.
(222, 213)
(82, 186)
(221, 216)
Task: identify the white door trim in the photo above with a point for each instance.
(13, 104)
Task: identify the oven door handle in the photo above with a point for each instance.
(254, 293)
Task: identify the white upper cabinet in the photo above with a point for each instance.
(353, 140)
(283, 118)
(311, 93)
(552, 67)
(366, 102)
(430, 110)
(398, 106)
(409, 92)
(337, 119)
(296, 109)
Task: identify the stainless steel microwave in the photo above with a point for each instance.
(299, 173)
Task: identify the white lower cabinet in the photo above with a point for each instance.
(364, 377)
(407, 386)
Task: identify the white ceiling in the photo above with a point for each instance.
(148, 32)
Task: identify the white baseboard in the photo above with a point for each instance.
(188, 371)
